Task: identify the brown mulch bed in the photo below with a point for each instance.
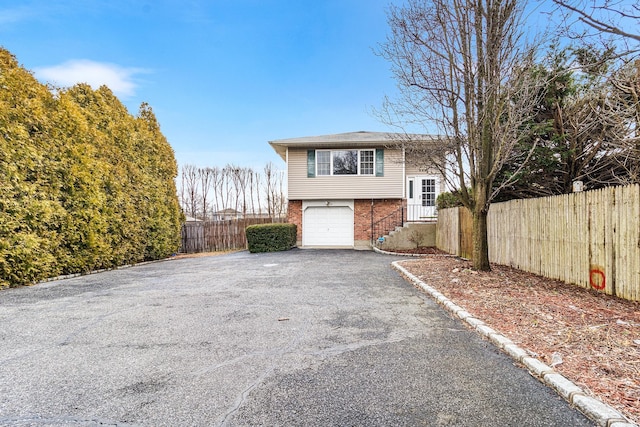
(422, 250)
(591, 338)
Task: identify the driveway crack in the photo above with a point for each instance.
(277, 355)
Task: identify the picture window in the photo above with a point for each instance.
(345, 162)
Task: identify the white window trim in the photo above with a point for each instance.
(373, 173)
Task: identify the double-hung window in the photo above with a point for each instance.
(367, 162)
(323, 160)
(345, 162)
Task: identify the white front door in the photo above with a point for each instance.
(421, 198)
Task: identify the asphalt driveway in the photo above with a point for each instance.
(298, 338)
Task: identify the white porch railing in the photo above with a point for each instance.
(418, 213)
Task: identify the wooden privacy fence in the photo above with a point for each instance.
(211, 236)
(591, 239)
(454, 231)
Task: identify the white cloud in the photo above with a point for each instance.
(119, 79)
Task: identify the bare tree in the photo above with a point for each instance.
(625, 100)
(605, 16)
(216, 176)
(221, 189)
(597, 125)
(269, 177)
(232, 174)
(241, 180)
(282, 199)
(626, 85)
(461, 66)
(256, 189)
(206, 178)
(274, 191)
(251, 207)
(215, 189)
(190, 190)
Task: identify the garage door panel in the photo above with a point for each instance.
(328, 226)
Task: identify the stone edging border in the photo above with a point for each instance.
(603, 414)
(382, 251)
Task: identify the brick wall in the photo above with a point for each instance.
(294, 216)
(362, 215)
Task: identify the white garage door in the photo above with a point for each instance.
(327, 226)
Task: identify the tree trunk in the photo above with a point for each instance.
(480, 241)
(479, 213)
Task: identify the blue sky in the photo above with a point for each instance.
(223, 76)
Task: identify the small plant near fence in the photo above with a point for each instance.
(417, 238)
(271, 237)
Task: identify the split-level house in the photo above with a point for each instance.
(346, 190)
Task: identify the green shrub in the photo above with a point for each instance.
(271, 237)
(447, 200)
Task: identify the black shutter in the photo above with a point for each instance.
(379, 162)
(311, 163)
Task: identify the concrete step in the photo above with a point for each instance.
(410, 236)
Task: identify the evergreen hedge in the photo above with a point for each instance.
(271, 237)
(84, 185)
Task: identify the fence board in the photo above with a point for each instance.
(447, 232)
(466, 232)
(591, 239)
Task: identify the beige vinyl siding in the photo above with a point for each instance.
(344, 187)
(414, 170)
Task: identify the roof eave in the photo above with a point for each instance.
(280, 149)
(344, 140)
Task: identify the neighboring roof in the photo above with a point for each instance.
(351, 139)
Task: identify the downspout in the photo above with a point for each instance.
(404, 182)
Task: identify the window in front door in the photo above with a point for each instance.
(428, 192)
